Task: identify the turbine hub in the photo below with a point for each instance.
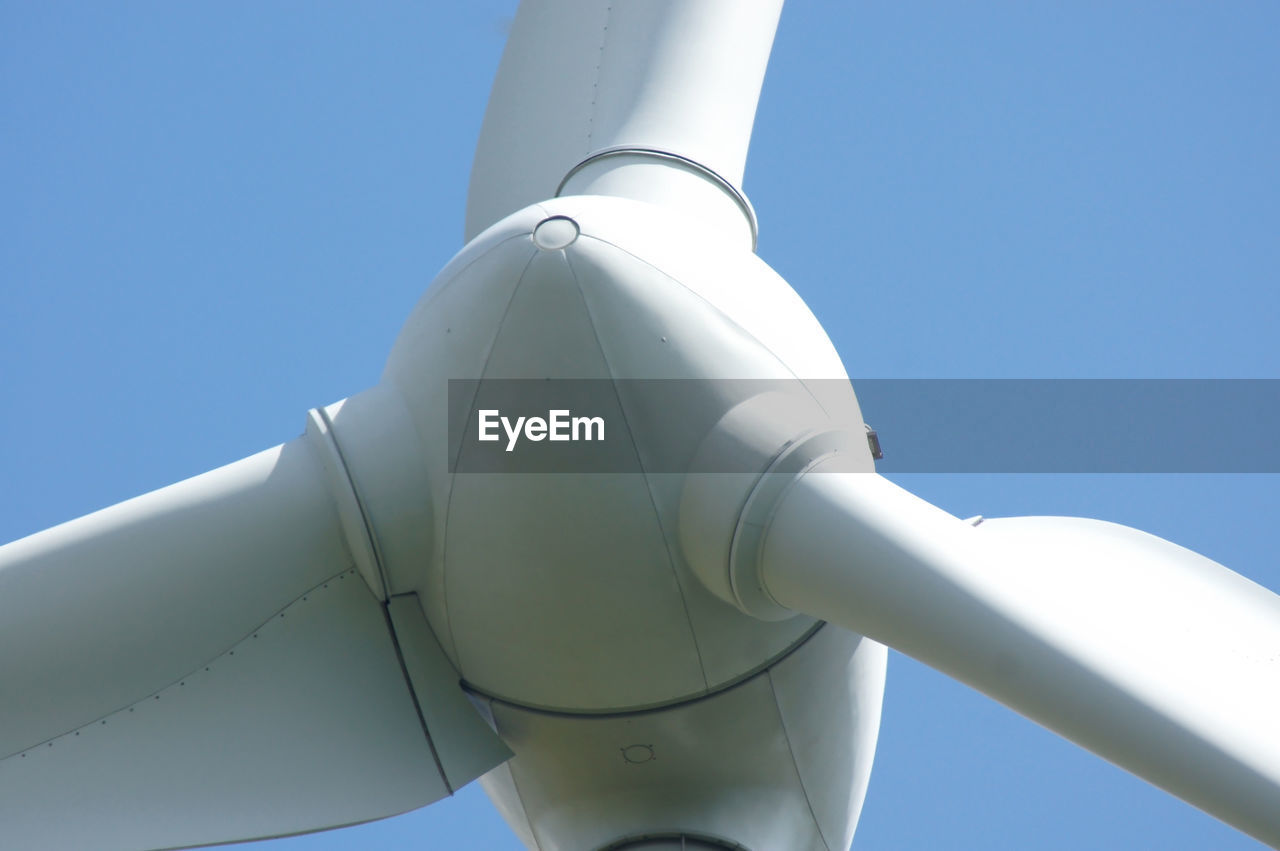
(557, 574)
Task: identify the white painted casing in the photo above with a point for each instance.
(566, 600)
(571, 591)
(1147, 654)
(204, 664)
(578, 77)
(780, 760)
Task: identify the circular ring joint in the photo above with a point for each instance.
(748, 536)
(669, 156)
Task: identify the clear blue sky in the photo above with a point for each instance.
(215, 215)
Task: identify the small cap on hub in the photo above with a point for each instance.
(555, 233)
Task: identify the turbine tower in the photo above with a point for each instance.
(678, 642)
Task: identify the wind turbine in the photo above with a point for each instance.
(757, 199)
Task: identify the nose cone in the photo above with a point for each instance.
(569, 590)
(561, 588)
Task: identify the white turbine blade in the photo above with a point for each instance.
(1146, 653)
(581, 77)
(204, 664)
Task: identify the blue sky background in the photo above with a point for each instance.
(215, 215)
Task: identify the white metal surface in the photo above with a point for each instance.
(581, 77)
(463, 744)
(204, 664)
(306, 723)
(778, 761)
(356, 534)
(578, 593)
(571, 592)
(198, 565)
(1148, 654)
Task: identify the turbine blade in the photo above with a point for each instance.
(203, 664)
(579, 77)
(1147, 654)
